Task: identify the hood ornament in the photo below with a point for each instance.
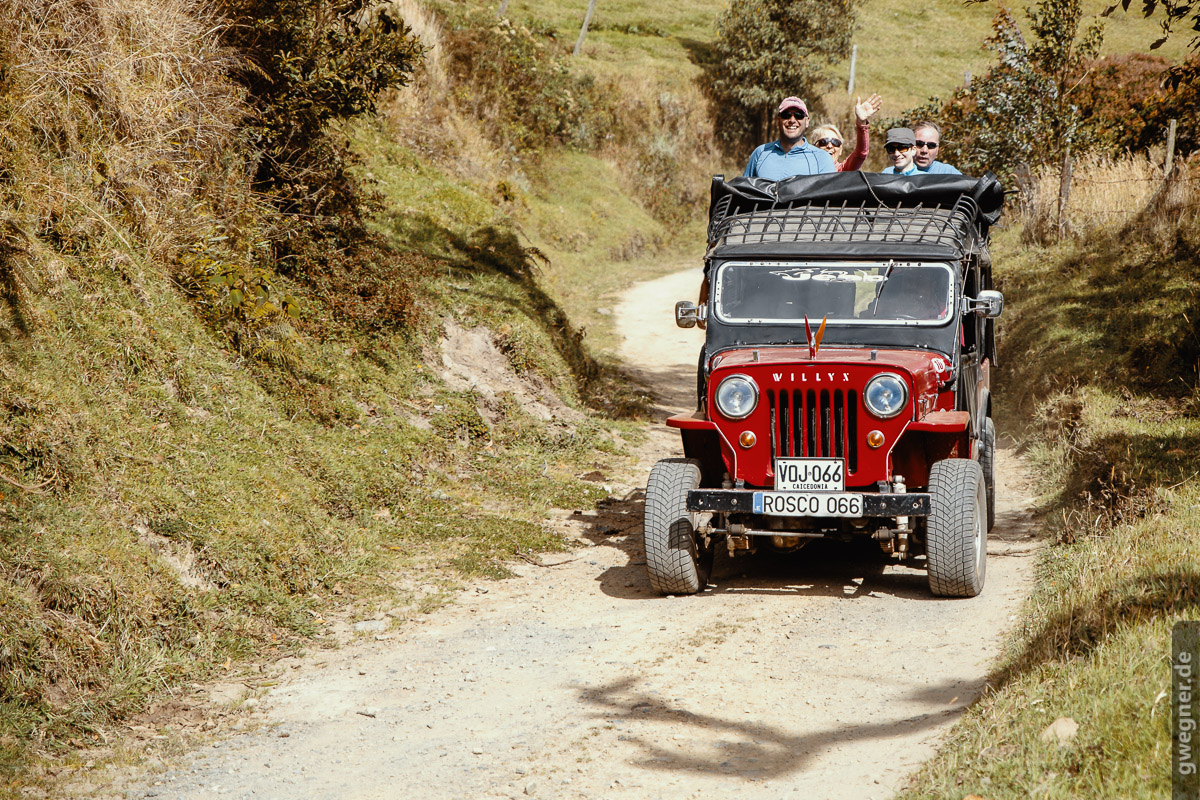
(814, 342)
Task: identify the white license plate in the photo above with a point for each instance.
(810, 475)
(808, 504)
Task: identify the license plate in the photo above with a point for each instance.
(808, 504)
(810, 475)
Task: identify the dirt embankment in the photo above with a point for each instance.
(824, 674)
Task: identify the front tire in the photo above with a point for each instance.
(956, 540)
(669, 531)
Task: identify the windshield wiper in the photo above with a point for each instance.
(879, 290)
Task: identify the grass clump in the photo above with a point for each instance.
(1119, 300)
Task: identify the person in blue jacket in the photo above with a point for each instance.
(791, 154)
(928, 140)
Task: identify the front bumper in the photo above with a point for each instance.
(734, 501)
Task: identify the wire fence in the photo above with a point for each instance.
(1084, 193)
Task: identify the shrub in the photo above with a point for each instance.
(517, 84)
(309, 63)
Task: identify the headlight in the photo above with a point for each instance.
(736, 397)
(886, 395)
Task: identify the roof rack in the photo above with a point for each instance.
(946, 212)
(950, 226)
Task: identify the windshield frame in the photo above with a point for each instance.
(850, 322)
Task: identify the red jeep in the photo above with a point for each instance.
(844, 380)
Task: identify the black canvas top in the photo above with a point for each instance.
(853, 214)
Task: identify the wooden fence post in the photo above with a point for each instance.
(1170, 149)
(1064, 192)
(853, 62)
(587, 20)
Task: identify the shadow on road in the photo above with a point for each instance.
(726, 746)
(823, 568)
(674, 386)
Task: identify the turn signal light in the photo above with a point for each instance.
(747, 439)
(875, 439)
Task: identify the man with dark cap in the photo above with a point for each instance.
(791, 154)
(901, 143)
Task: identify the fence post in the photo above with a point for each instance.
(853, 61)
(587, 20)
(1064, 192)
(503, 8)
(1170, 149)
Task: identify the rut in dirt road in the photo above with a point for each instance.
(830, 673)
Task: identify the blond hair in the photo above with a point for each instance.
(823, 131)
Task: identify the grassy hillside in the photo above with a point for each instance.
(907, 52)
(186, 487)
(192, 477)
(1099, 368)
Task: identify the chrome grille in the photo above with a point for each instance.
(815, 422)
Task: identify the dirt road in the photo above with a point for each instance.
(824, 675)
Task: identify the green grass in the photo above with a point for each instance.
(1094, 640)
(600, 241)
(1095, 360)
(199, 507)
(941, 41)
(907, 52)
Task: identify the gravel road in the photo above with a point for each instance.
(826, 674)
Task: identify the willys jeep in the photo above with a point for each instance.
(844, 378)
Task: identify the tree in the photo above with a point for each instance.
(1023, 110)
(1174, 12)
(767, 50)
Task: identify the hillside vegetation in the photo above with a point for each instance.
(205, 450)
(1099, 377)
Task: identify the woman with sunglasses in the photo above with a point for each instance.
(830, 139)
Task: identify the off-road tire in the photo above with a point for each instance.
(956, 538)
(672, 558)
(987, 460)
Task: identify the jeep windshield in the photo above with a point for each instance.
(887, 293)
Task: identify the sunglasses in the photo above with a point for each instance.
(792, 114)
(927, 145)
(898, 148)
(829, 142)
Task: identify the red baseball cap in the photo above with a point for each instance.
(793, 102)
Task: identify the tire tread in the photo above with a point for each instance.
(950, 546)
(671, 558)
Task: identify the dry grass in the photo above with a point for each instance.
(127, 105)
(1106, 193)
(166, 504)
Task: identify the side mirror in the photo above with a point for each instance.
(989, 303)
(687, 314)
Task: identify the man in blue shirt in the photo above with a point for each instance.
(900, 145)
(791, 154)
(929, 141)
